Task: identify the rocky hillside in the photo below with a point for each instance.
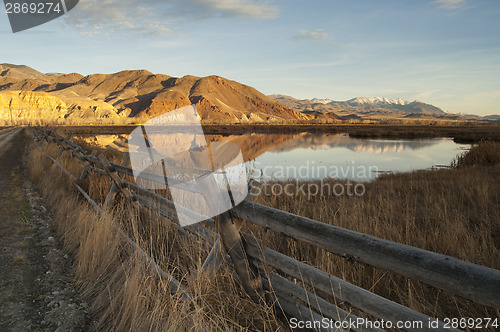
(26, 106)
(131, 96)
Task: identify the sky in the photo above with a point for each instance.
(441, 52)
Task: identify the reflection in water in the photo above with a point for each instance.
(343, 157)
(329, 141)
(316, 156)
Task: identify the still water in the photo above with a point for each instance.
(340, 156)
(317, 156)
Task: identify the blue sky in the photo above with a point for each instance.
(442, 52)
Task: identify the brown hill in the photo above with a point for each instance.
(137, 95)
(305, 105)
(18, 72)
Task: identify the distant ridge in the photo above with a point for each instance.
(136, 95)
(321, 101)
(369, 108)
(494, 117)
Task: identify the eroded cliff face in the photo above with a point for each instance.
(33, 107)
(29, 106)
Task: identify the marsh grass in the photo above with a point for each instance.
(121, 290)
(451, 211)
(455, 212)
(482, 154)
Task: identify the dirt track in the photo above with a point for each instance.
(36, 293)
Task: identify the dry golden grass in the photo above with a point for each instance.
(454, 212)
(122, 292)
(482, 154)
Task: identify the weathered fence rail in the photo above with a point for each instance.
(475, 282)
(252, 260)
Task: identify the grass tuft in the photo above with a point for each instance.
(483, 154)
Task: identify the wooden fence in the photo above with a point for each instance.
(253, 262)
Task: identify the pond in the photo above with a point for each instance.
(343, 157)
(316, 156)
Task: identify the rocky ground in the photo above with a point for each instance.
(36, 290)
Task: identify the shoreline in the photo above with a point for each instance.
(471, 133)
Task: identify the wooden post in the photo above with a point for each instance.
(61, 146)
(217, 254)
(46, 137)
(115, 177)
(114, 189)
(87, 167)
(108, 202)
(234, 244)
(230, 237)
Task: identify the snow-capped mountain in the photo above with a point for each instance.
(363, 107)
(378, 101)
(321, 101)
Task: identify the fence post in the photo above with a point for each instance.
(236, 247)
(61, 147)
(230, 236)
(114, 189)
(87, 167)
(46, 137)
(120, 185)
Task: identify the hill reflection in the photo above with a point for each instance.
(333, 151)
(329, 141)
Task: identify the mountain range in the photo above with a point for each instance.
(133, 96)
(26, 94)
(366, 108)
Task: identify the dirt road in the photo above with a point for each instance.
(36, 293)
(6, 136)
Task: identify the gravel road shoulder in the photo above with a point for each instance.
(36, 291)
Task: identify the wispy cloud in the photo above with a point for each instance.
(424, 95)
(243, 8)
(317, 34)
(450, 4)
(159, 16)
